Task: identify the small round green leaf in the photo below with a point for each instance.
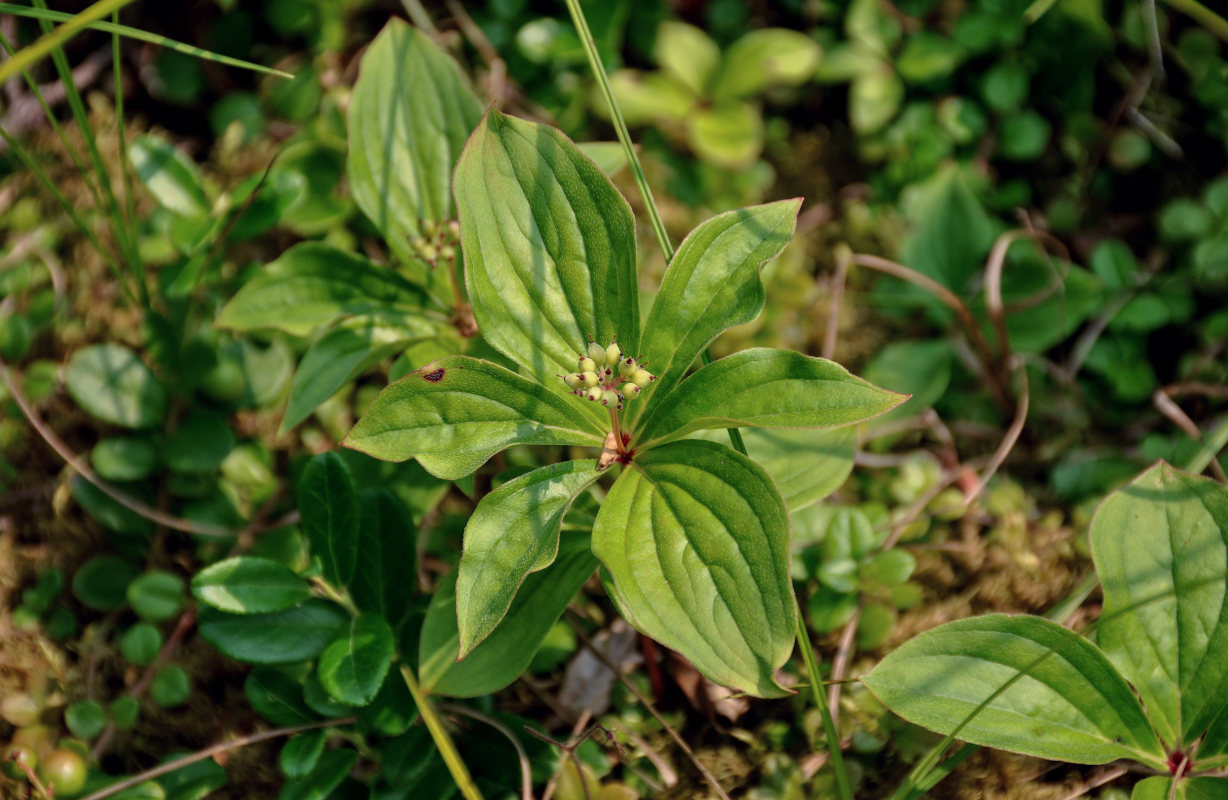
(249, 585)
(114, 385)
(85, 719)
(124, 711)
(171, 686)
(102, 582)
(140, 644)
(300, 754)
(156, 595)
(124, 458)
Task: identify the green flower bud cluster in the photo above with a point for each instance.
(436, 241)
(608, 375)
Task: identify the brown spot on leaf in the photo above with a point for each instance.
(434, 377)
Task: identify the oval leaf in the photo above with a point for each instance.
(330, 770)
(1161, 549)
(277, 697)
(506, 652)
(456, 412)
(696, 539)
(328, 503)
(384, 578)
(170, 176)
(766, 388)
(353, 667)
(249, 585)
(110, 382)
(514, 531)
(282, 637)
(766, 57)
(1054, 695)
(409, 116)
(549, 247)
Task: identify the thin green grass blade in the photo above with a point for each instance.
(125, 166)
(52, 39)
(140, 35)
(1211, 445)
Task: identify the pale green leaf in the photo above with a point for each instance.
(728, 134)
(249, 585)
(112, 383)
(549, 247)
(1161, 548)
(1054, 695)
(875, 96)
(764, 58)
(712, 284)
(695, 538)
(514, 531)
(409, 117)
(609, 156)
(646, 97)
(313, 284)
(765, 388)
(455, 413)
(328, 504)
(170, 176)
(1160, 787)
(688, 55)
(506, 652)
(353, 667)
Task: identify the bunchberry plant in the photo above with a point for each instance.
(693, 537)
(1152, 687)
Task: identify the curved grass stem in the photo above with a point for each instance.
(443, 740)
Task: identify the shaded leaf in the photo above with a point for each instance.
(329, 771)
(353, 667)
(277, 697)
(387, 557)
(328, 504)
(112, 383)
(807, 465)
(170, 176)
(282, 637)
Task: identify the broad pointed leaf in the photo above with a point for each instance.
(353, 667)
(688, 55)
(549, 247)
(1054, 695)
(455, 413)
(386, 570)
(1161, 549)
(507, 651)
(283, 637)
(766, 388)
(313, 284)
(328, 504)
(409, 116)
(1214, 742)
(766, 57)
(696, 539)
(345, 352)
(514, 531)
(249, 585)
(711, 285)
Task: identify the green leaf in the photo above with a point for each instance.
(277, 697)
(807, 465)
(328, 503)
(695, 537)
(766, 388)
(110, 382)
(764, 58)
(1161, 548)
(171, 687)
(506, 652)
(124, 458)
(249, 585)
(282, 637)
(711, 285)
(170, 176)
(609, 156)
(199, 445)
(409, 116)
(647, 97)
(549, 247)
(514, 531)
(951, 233)
(194, 781)
(345, 352)
(353, 667)
(728, 135)
(85, 719)
(300, 754)
(156, 595)
(1160, 787)
(102, 582)
(1071, 705)
(328, 774)
(456, 412)
(313, 284)
(140, 644)
(875, 97)
(688, 55)
(928, 57)
(920, 368)
(386, 571)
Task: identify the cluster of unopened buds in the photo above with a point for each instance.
(436, 241)
(608, 375)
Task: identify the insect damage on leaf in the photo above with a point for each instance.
(434, 377)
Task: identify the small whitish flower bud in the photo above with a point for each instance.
(642, 378)
(632, 391)
(574, 380)
(589, 378)
(611, 398)
(587, 364)
(627, 367)
(597, 353)
(593, 394)
(612, 354)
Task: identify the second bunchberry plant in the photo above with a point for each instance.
(693, 537)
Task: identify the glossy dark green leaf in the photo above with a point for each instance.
(194, 781)
(513, 532)
(102, 582)
(200, 443)
(549, 247)
(696, 539)
(386, 571)
(328, 503)
(455, 413)
(1071, 705)
(277, 697)
(172, 686)
(409, 117)
(110, 382)
(156, 595)
(249, 585)
(300, 754)
(282, 637)
(393, 710)
(765, 388)
(313, 284)
(711, 285)
(353, 667)
(1161, 548)
(506, 652)
(329, 771)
